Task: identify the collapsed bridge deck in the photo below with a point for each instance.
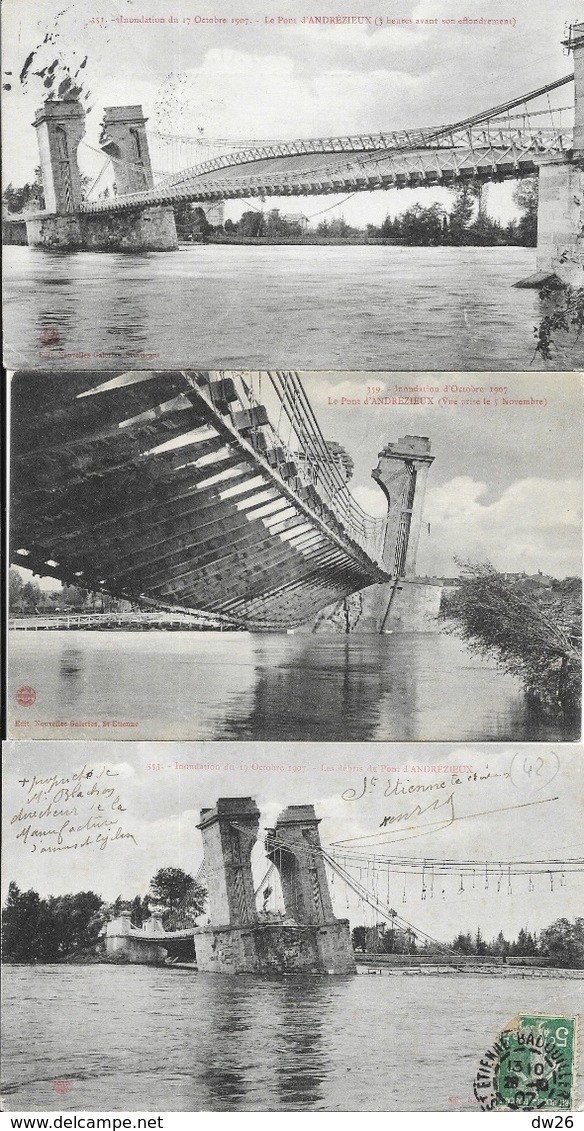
(174, 489)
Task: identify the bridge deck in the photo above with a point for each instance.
(315, 175)
(149, 486)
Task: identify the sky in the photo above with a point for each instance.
(264, 78)
(509, 803)
(505, 484)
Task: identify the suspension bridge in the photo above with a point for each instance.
(502, 142)
(289, 921)
(209, 495)
(541, 131)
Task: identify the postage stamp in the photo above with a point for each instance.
(531, 1066)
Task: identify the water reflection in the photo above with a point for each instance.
(225, 1050)
(125, 316)
(404, 687)
(65, 318)
(71, 672)
(288, 307)
(303, 1013)
(213, 686)
(144, 1039)
(311, 690)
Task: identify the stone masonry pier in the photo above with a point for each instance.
(239, 939)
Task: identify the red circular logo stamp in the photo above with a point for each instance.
(25, 696)
(62, 1086)
(49, 335)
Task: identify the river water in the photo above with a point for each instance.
(212, 685)
(150, 1039)
(358, 307)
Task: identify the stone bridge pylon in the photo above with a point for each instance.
(239, 939)
(60, 127)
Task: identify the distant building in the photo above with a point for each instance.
(296, 218)
(277, 220)
(215, 213)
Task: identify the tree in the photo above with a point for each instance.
(73, 596)
(565, 315)
(390, 228)
(461, 215)
(500, 946)
(423, 226)
(15, 587)
(28, 197)
(44, 930)
(563, 943)
(358, 937)
(480, 946)
(191, 222)
(250, 224)
(464, 943)
(22, 925)
(177, 890)
(139, 910)
(70, 917)
(532, 630)
(525, 945)
(31, 595)
(525, 197)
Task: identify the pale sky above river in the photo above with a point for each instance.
(505, 484)
(268, 77)
(497, 806)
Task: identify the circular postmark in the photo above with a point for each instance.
(528, 1068)
(62, 1086)
(25, 696)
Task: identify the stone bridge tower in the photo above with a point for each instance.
(241, 940)
(124, 139)
(405, 602)
(294, 847)
(229, 833)
(67, 221)
(401, 473)
(60, 127)
(560, 210)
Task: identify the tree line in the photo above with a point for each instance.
(561, 944)
(68, 927)
(28, 598)
(467, 223)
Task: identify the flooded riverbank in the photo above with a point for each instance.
(146, 1039)
(408, 687)
(366, 307)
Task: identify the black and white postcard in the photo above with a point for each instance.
(394, 188)
(279, 556)
(281, 928)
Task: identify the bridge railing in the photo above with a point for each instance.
(149, 619)
(281, 425)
